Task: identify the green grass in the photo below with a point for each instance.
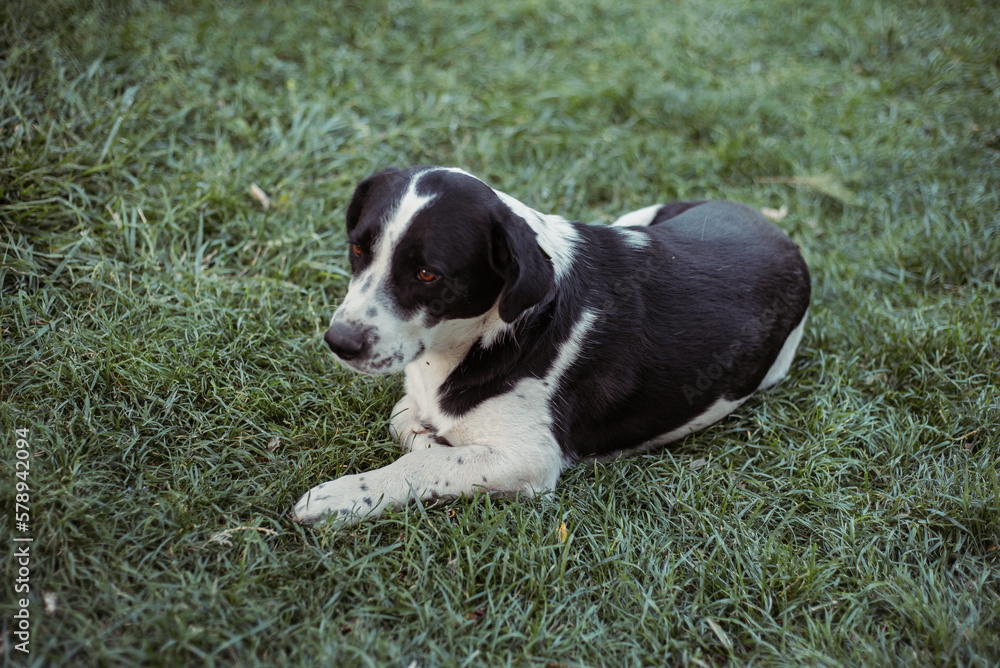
(160, 329)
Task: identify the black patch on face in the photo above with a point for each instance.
(452, 238)
(373, 200)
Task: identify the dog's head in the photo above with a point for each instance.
(438, 258)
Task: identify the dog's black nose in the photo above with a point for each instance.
(345, 341)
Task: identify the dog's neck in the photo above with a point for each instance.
(451, 343)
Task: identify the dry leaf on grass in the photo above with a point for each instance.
(775, 214)
(720, 634)
(563, 533)
(828, 184)
(260, 196)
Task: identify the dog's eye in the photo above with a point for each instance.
(426, 276)
(356, 249)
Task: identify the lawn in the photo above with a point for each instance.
(162, 346)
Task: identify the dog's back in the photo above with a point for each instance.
(696, 321)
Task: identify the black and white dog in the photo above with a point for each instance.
(530, 342)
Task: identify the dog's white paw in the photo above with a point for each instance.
(409, 431)
(420, 440)
(345, 500)
(405, 419)
(402, 431)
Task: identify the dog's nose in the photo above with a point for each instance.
(345, 341)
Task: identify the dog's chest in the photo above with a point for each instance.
(424, 378)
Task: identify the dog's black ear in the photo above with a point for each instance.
(528, 274)
(364, 191)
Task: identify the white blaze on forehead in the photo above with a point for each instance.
(409, 206)
(556, 236)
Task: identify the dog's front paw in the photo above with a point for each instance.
(421, 440)
(345, 500)
(405, 420)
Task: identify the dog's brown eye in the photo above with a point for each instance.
(426, 276)
(356, 249)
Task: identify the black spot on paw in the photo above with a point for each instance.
(364, 488)
(368, 501)
(460, 461)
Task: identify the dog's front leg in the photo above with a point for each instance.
(432, 474)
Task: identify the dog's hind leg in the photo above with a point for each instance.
(783, 363)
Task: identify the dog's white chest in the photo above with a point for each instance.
(424, 378)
